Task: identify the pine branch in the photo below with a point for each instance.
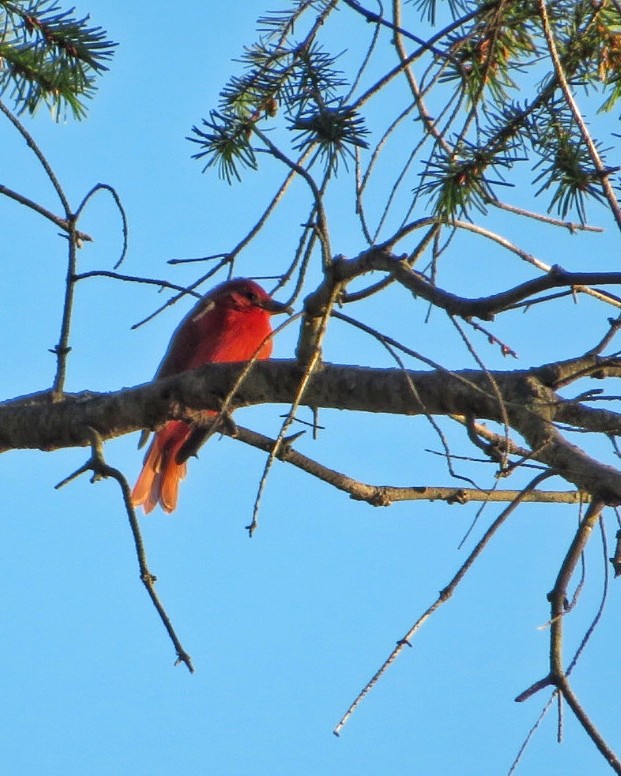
(50, 56)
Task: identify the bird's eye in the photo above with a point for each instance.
(251, 296)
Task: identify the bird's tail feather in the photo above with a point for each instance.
(159, 479)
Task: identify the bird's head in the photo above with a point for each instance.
(246, 295)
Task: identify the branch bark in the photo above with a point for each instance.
(522, 397)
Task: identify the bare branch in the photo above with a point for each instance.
(571, 226)
(530, 407)
(134, 279)
(34, 147)
(444, 596)
(385, 495)
(485, 307)
(101, 469)
(61, 223)
(119, 205)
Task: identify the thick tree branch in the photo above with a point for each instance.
(484, 307)
(529, 406)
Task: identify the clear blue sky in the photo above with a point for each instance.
(284, 629)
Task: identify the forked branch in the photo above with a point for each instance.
(102, 470)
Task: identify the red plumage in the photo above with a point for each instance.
(230, 323)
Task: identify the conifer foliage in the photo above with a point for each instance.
(49, 56)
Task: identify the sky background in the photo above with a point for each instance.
(286, 628)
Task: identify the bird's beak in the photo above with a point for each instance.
(275, 308)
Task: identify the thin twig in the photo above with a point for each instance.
(61, 223)
(531, 733)
(445, 594)
(97, 464)
(495, 389)
(558, 676)
(32, 144)
(62, 349)
(385, 495)
(189, 290)
(392, 347)
(571, 226)
(310, 367)
(117, 201)
(102, 273)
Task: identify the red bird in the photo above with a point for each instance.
(228, 324)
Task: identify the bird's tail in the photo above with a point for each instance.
(161, 474)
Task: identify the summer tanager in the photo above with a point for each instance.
(228, 324)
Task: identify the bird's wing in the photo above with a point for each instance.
(186, 340)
